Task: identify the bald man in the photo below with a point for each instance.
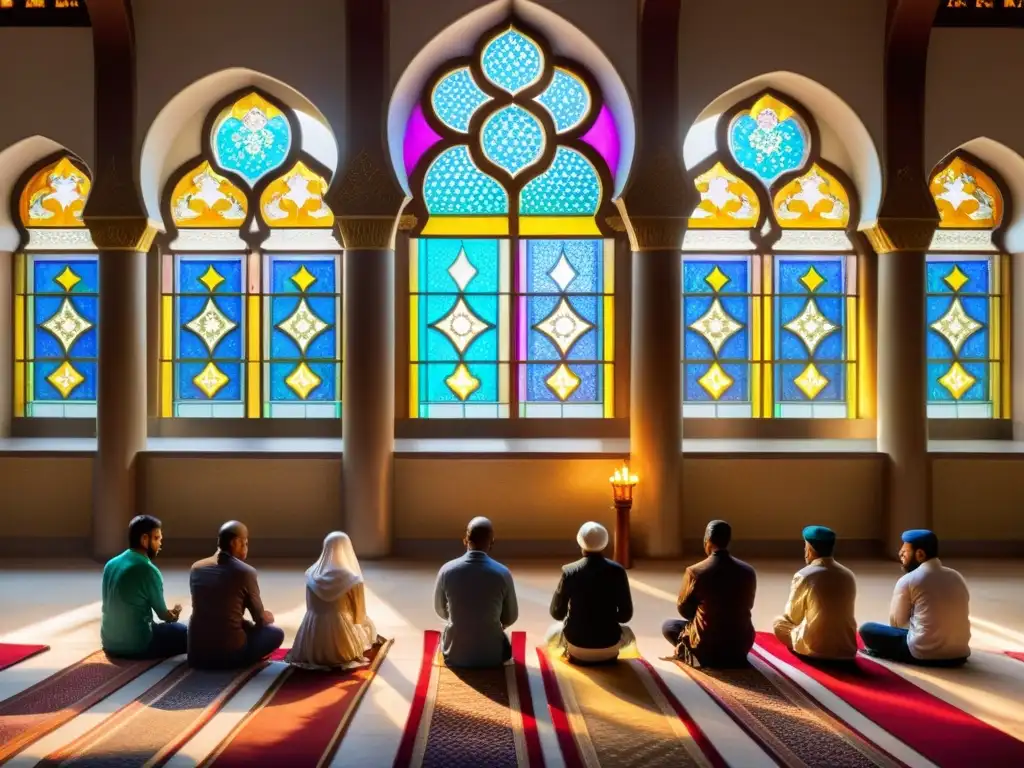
(477, 598)
(223, 588)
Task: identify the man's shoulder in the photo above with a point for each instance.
(576, 565)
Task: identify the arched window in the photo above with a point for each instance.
(56, 295)
(251, 294)
(769, 274)
(967, 309)
(511, 275)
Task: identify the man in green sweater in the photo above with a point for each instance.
(133, 590)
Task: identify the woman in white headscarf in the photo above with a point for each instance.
(335, 632)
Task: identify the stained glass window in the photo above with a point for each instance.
(251, 333)
(512, 282)
(966, 307)
(769, 314)
(56, 298)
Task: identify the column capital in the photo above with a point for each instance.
(121, 233)
(901, 235)
(654, 233)
(369, 232)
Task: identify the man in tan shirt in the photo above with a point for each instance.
(819, 620)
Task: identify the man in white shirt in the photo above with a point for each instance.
(929, 621)
(819, 620)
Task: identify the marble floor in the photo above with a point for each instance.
(59, 604)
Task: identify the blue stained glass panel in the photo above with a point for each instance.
(738, 392)
(512, 61)
(567, 99)
(440, 264)
(977, 272)
(45, 392)
(570, 187)
(253, 146)
(454, 186)
(834, 391)
(978, 392)
(512, 139)
(187, 389)
(766, 146)
(588, 391)
(456, 98)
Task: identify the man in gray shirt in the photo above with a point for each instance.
(477, 598)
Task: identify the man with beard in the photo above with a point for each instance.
(929, 620)
(133, 590)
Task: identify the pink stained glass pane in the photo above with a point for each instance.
(419, 137)
(604, 137)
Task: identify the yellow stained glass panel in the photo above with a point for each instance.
(558, 226)
(296, 199)
(815, 200)
(967, 198)
(466, 226)
(205, 199)
(726, 201)
(55, 196)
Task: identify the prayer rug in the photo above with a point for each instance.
(784, 721)
(1015, 655)
(301, 719)
(621, 714)
(154, 726)
(935, 729)
(12, 654)
(52, 702)
(471, 717)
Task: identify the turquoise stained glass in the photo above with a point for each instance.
(512, 61)
(567, 100)
(456, 98)
(570, 187)
(766, 146)
(512, 139)
(454, 186)
(254, 145)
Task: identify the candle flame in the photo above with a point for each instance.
(623, 476)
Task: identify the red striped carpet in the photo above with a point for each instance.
(1015, 655)
(942, 733)
(12, 654)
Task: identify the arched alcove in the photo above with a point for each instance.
(175, 135)
(1010, 166)
(845, 140)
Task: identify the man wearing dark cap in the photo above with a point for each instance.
(819, 619)
(715, 602)
(929, 620)
(475, 595)
(223, 588)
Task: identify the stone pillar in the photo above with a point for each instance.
(368, 373)
(6, 345)
(902, 398)
(656, 425)
(121, 375)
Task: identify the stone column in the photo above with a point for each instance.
(656, 425)
(6, 345)
(368, 373)
(902, 398)
(121, 375)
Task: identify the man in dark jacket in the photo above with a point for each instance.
(715, 602)
(223, 587)
(593, 602)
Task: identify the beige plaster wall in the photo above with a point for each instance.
(979, 499)
(45, 497)
(47, 87)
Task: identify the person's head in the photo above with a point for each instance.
(145, 533)
(479, 534)
(592, 538)
(819, 541)
(717, 536)
(919, 546)
(233, 538)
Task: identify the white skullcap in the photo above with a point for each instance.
(592, 537)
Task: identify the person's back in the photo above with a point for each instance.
(595, 591)
(219, 589)
(131, 584)
(722, 629)
(939, 625)
(829, 626)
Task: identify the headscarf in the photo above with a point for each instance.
(337, 570)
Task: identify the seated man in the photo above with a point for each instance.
(819, 620)
(715, 602)
(223, 588)
(593, 601)
(133, 590)
(929, 620)
(477, 598)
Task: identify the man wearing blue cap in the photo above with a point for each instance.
(929, 621)
(819, 619)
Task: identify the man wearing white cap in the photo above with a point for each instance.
(593, 603)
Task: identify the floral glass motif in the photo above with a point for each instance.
(768, 140)
(55, 196)
(967, 198)
(570, 187)
(566, 99)
(454, 186)
(56, 350)
(296, 199)
(512, 139)
(252, 137)
(726, 201)
(205, 199)
(456, 98)
(815, 200)
(512, 61)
